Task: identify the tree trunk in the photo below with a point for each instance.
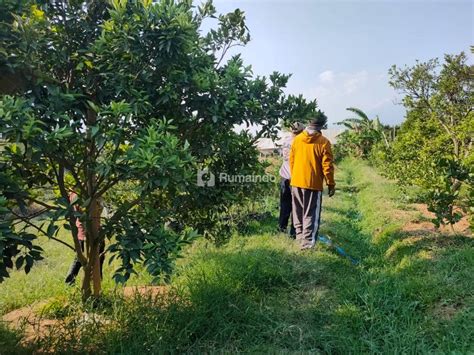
(91, 285)
(95, 248)
(92, 282)
(96, 279)
(93, 214)
(86, 283)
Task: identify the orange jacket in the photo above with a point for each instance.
(310, 161)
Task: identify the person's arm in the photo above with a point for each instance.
(81, 233)
(286, 149)
(328, 168)
(292, 157)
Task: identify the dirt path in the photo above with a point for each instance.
(34, 325)
(422, 225)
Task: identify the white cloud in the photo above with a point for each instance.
(330, 83)
(326, 76)
(355, 81)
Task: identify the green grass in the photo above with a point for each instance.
(259, 293)
(44, 280)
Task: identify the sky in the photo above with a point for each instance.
(339, 52)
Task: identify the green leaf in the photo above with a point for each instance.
(94, 131)
(19, 262)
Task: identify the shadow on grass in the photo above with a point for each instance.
(231, 300)
(352, 214)
(257, 223)
(11, 342)
(412, 242)
(346, 232)
(240, 299)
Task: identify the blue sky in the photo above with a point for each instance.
(339, 52)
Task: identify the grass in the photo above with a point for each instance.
(259, 293)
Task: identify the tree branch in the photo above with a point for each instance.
(258, 135)
(26, 220)
(48, 207)
(224, 51)
(108, 186)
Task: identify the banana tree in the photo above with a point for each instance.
(362, 132)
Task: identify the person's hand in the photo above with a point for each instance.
(331, 190)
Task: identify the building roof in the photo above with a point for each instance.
(269, 144)
(266, 144)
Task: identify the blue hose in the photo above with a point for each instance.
(339, 250)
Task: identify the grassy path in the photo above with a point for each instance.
(410, 294)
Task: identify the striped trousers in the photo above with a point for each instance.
(306, 215)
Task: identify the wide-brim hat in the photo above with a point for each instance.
(318, 121)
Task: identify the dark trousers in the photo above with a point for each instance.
(76, 264)
(285, 207)
(306, 215)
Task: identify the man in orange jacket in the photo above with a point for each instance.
(311, 162)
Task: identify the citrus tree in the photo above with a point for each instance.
(122, 102)
(434, 148)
